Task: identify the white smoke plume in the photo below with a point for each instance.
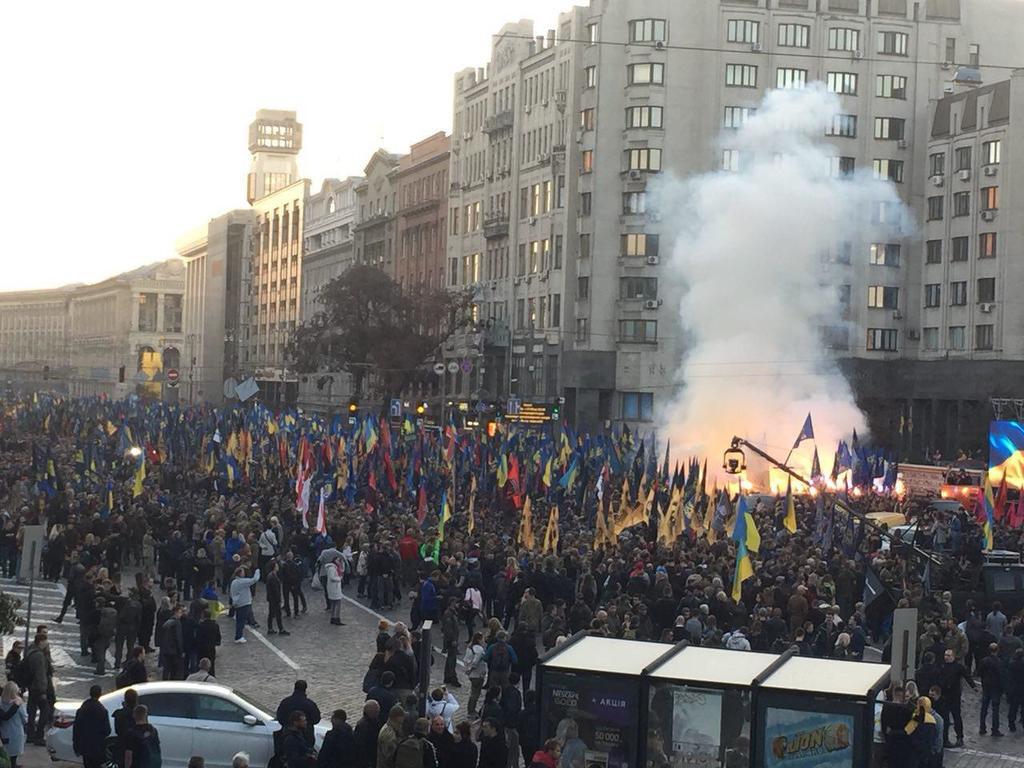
(755, 288)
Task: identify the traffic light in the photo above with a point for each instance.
(353, 406)
(554, 411)
(421, 408)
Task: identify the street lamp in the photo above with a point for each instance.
(734, 461)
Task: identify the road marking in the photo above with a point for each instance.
(382, 617)
(979, 753)
(280, 654)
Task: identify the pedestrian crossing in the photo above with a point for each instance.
(47, 599)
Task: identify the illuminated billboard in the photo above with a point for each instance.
(1006, 453)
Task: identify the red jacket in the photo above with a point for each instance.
(408, 548)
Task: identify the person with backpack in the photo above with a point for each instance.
(142, 742)
(124, 721)
(499, 658)
(416, 750)
(441, 703)
(13, 719)
(90, 730)
(134, 671)
(476, 669)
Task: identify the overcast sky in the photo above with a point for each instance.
(125, 123)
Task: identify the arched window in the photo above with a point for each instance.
(330, 205)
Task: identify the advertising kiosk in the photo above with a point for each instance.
(699, 707)
(590, 699)
(817, 713)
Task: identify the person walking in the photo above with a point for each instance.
(450, 628)
(951, 675)
(273, 585)
(291, 581)
(241, 600)
(13, 720)
(476, 670)
(40, 706)
(500, 658)
(90, 730)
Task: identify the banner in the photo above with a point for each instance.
(595, 718)
(799, 739)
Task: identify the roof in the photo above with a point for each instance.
(608, 655)
(694, 664)
(827, 676)
(998, 111)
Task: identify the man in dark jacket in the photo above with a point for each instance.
(105, 628)
(296, 748)
(450, 627)
(172, 646)
(291, 583)
(951, 675)
(90, 731)
(274, 601)
(383, 693)
(299, 702)
(207, 641)
(339, 747)
(365, 736)
(493, 749)
(991, 673)
(129, 618)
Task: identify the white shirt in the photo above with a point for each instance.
(446, 708)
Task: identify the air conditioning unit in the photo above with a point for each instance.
(858, 54)
(755, 48)
(938, 180)
(947, 65)
(517, 281)
(659, 45)
(913, 334)
(494, 285)
(986, 307)
(965, 174)
(991, 170)
(902, 144)
(467, 136)
(635, 175)
(897, 315)
(652, 304)
(532, 220)
(988, 215)
(653, 260)
(527, 109)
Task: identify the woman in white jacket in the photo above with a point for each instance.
(13, 719)
(335, 574)
(476, 669)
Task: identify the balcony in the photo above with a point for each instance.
(498, 122)
(495, 225)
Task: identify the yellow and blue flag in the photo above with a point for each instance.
(988, 527)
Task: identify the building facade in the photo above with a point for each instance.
(328, 250)
(34, 335)
(374, 231)
(218, 262)
(126, 332)
(421, 185)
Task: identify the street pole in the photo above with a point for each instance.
(31, 591)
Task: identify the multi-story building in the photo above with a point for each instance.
(33, 334)
(217, 265)
(328, 250)
(511, 212)
(126, 332)
(421, 233)
(277, 196)
(374, 231)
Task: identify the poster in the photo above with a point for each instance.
(800, 739)
(697, 725)
(1006, 453)
(594, 718)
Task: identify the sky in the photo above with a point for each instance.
(125, 123)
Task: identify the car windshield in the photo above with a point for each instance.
(254, 703)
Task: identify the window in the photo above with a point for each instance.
(843, 39)
(643, 117)
(958, 293)
(842, 167)
(735, 117)
(893, 43)
(638, 406)
(937, 164)
(961, 203)
(935, 208)
(730, 159)
(883, 297)
(957, 337)
(643, 159)
(882, 339)
(741, 75)
(172, 312)
(884, 254)
(215, 708)
(560, 191)
(585, 203)
(842, 125)
(983, 336)
(583, 288)
(743, 31)
(592, 32)
(889, 170)
(521, 260)
(634, 202)
(556, 310)
(990, 198)
(534, 257)
(638, 331)
(891, 87)
(933, 295)
(991, 152)
(886, 212)
(638, 287)
(950, 50)
(587, 119)
(647, 31)
(842, 82)
(639, 245)
(584, 246)
(586, 161)
(168, 704)
(930, 339)
(147, 312)
(524, 202)
(963, 158)
(787, 77)
(974, 54)
(590, 76)
(987, 244)
(794, 35)
(520, 314)
(889, 127)
(558, 252)
(986, 289)
(582, 329)
(646, 74)
(960, 249)
(453, 270)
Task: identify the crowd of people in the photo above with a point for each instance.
(153, 557)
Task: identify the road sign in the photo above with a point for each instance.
(536, 414)
(172, 375)
(466, 366)
(439, 369)
(396, 407)
(453, 367)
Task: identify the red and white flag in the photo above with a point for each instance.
(321, 515)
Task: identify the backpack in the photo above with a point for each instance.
(370, 679)
(409, 753)
(500, 659)
(22, 675)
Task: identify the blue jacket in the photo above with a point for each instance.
(428, 598)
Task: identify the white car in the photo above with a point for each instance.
(192, 719)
